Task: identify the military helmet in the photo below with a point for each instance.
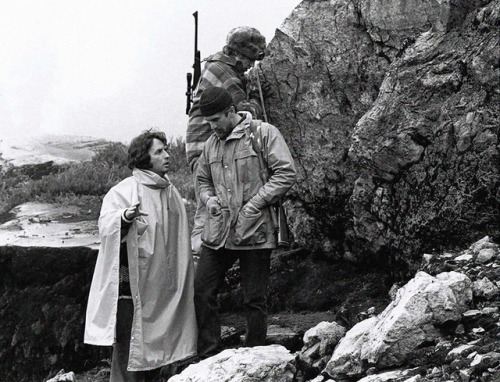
(248, 42)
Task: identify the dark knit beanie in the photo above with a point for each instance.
(214, 100)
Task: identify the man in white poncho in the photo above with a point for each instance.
(141, 297)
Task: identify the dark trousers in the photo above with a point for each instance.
(212, 267)
(121, 348)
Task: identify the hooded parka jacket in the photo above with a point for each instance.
(229, 169)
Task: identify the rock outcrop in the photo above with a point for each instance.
(413, 318)
(453, 342)
(271, 363)
(378, 100)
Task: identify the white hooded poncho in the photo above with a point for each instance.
(161, 274)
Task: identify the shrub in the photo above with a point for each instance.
(91, 178)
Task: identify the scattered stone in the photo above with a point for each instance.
(393, 291)
(489, 310)
(427, 257)
(273, 363)
(465, 374)
(327, 333)
(280, 335)
(485, 242)
(436, 372)
(485, 288)
(62, 376)
(460, 351)
(319, 343)
(485, 255)
(229, 335)
(472, 355)
(319, 378)
(415, 378)
(465, 257)
(389, 376)
(485, 361)
(472, 313)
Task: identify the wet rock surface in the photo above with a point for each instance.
(36, 224)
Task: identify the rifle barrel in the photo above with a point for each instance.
(195, 32)
(197, 58)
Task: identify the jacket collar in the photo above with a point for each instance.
(150, 179)
(219, 56)
(239, 129)
(228, 60)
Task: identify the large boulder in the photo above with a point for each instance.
(432, 130)
(378, 99)
(413, 318)
(271, 363)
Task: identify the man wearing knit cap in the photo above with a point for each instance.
(226, 69)
(239, 224)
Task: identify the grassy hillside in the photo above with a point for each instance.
(83, 183)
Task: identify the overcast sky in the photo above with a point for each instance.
(111, 68)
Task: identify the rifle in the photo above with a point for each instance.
(195, 77)
(277, 211)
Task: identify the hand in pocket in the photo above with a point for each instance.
(250, 228)
(250, 209)
(215, 228)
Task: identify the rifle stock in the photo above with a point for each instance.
(284, 234)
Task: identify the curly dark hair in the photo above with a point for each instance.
(138, 151)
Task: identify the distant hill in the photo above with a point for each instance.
(48, 148)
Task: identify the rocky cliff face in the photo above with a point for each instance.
(42, 311)
(391, 111)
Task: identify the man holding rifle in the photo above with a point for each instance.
(239, 224)
(226, 69)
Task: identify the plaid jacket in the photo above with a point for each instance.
(220, 70)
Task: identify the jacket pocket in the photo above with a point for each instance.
(250, 229)
(247, 168)
(215, 228)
